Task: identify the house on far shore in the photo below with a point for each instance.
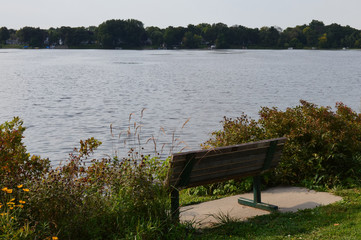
(12, 42)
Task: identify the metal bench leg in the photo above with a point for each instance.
(257, 203)
(174, 198)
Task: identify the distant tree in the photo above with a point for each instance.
(194, 29)
(155, 35)
(135, 34)
(311, 36)
(208, 33)
(191, 40)
(222, 32)
(66, 35)
(4, 35)
(121, 33)
(237, 35)
(293, 37)
(173, 36)
(269, 37)
(111, 34)
(318, 26)
(157, 38)
(169, 36)
(92, 29)
(322, 41)
(34, 37)
(357, 43)
(221, 41)
(81, 36)
(252, 36)
(53, 36)
(335, 34)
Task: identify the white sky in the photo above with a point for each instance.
(162, 13)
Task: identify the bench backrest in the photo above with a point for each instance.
(195, 168)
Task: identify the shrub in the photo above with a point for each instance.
(13, 222)
(108, 198)
(323, 147)
(16, 165)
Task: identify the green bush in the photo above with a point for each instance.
(16, 165)
(107, 199)
(323, 147)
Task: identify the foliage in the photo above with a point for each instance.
(191, 40)
(323, 147)
(116, 33)
(109, 198)
(33, 37)
(4, 34)
(13, 222)
(220, 189)
(121, 33)
(155, 36)
(16, 165)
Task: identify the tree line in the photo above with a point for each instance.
(131, 34)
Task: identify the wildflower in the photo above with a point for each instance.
(20, 186)
(54, 238)
(3, 214)
(9, 190)
(21, 201)
(4, 189)
(26, 190)
(12, 200)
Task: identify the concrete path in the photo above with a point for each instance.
(288, 199)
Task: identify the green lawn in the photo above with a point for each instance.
(341, 220)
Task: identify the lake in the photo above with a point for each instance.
(67, 95)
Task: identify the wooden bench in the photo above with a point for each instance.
(196, 168)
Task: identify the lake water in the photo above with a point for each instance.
(67, 95)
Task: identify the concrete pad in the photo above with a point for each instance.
(288, 199)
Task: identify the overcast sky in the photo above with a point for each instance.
(162, 13)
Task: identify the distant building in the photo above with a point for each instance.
(46, 41)
(12, 42)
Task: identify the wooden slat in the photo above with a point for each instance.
(219, 163)
(221, 150)
(219, 160)
(220, 157)
(179, 157)
(213, 180)
(224, 173)
(199, 168)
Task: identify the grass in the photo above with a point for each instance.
(11, 46)
(341, 220)
(189, 199)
